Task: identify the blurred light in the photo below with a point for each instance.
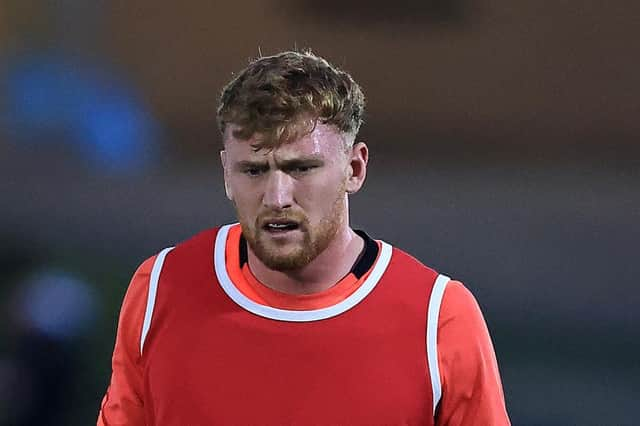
(56, 99)
(56, 304)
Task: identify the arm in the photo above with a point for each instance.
(123, 404)
(471, 388)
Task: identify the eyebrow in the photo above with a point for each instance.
(297, 162)
(247, 164)
(284, 164)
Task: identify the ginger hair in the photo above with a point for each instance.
(282, 96)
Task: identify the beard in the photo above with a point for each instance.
(315, 238)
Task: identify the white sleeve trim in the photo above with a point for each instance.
(151, 297)
(432, 337)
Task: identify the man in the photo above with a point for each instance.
(291, 317)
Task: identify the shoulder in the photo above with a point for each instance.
(139, 284)
(461, 318)
(459, 298)
(454, 297)
(406, 272)
(141, 294)
(203, 238)
(200, 244)
(198, 241)
(405, 263)
(192, 255)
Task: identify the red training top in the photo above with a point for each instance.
(201, 341)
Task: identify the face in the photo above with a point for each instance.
(292, 200)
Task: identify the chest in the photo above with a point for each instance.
(217, 366)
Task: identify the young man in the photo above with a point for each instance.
(291, 317)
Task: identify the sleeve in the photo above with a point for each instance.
(122, 404)
(471, 387)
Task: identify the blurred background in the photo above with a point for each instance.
(505, 152)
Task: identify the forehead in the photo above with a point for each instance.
(324, 141)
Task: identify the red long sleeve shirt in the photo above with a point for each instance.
(471, 389)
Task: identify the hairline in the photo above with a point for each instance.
(348, 138)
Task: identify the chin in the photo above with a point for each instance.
(283, 257)
(289, 262)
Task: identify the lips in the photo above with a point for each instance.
(279, 225)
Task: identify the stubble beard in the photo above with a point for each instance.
(316, 239)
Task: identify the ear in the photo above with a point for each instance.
(357, 170)
(227, 189)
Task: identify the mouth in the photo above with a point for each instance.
(279, 226)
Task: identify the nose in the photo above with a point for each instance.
(278, 192)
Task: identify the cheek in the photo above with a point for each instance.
(245, 198)
(318, 198)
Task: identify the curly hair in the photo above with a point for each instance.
(275, 94)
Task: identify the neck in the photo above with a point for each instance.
(321, 273)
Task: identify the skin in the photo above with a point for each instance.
(306, 180)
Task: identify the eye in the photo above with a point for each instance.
(253, 171)
(302, 169)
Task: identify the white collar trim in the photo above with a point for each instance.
(227, 285)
